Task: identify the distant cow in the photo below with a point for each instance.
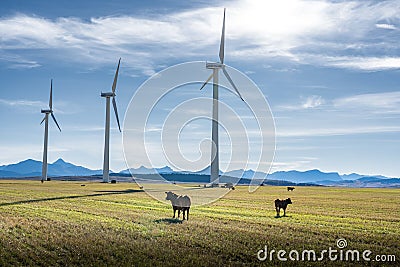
(180, 203)
(282, 204)
(229, 186)
(289, 188)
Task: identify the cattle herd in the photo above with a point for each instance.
(182, 203)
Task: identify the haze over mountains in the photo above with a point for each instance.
(31, 168)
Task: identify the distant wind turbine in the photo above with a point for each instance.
(216, 66)
(46, 131)
(106, 162)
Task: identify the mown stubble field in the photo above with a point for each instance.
(63, 223)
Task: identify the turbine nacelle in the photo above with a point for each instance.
(109, 94)
(214, 65)
(46, 111)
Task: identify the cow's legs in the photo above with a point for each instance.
(174, 212)
(277, 211)
(187, 214)
(284, 212)
(179, 213)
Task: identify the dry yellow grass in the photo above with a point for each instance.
(64, 223)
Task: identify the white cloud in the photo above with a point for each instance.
(313, 102)
(18, 62)
(255, 29)
(336, 131)
(309, 102)
(23, 103)
(386, 26)
(364, 63)
(373, 113)
(388, 102)
(378, 103)
(30, 105)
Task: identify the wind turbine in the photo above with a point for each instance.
(215, 67)
(106, 162)
(46, 131)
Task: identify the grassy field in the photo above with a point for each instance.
(64, 223)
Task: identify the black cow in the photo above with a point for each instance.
(282, 204)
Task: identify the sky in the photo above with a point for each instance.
(329, 71)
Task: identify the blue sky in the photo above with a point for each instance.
(329, 70)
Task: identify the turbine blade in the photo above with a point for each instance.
(54, 118)
(51, 95)
(222, 44)
(231, 82)
(43, 120)
(116, 77)
(204, 84)
(116, 112)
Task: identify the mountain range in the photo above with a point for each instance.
(30, 167)
(33, 168)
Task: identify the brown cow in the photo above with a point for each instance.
(289, 188)
(282, 204)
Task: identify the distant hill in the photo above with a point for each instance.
(312, 176)
(32, 167)
(9, 174)
(205, 171)
(27, 167)
(248, 174)
(60, 168)
(351, 176)
(144, 170)
(164, 170)
(205, 179)
(369, 181)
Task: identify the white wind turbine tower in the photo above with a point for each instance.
(216, 66)
(46, 131)
(106, 162)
